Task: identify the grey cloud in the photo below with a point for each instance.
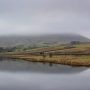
(30, 5)
(44, 16)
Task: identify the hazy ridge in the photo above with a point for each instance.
(29, 40)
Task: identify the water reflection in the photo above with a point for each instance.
(23, 75)
(37, 81)
(20, 66)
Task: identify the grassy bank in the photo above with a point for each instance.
(61, 59)
(73, 60)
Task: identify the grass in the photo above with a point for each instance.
(73, 60)
(61, 59)
(61, 48)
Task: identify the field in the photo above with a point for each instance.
(76, 55)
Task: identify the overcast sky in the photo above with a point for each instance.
(44, 16)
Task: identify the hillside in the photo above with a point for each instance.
(38, 40)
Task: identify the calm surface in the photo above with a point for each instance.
(23, 75)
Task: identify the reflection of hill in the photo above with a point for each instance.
(24, 66)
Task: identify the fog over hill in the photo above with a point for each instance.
(30, 40)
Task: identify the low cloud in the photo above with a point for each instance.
(44, 16)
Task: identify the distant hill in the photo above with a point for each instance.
(49, 39)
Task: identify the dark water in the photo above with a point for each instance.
(23, 75)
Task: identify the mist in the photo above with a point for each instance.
(37, 17)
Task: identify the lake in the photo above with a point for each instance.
(24, 75)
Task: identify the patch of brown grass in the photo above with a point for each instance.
(60, 59)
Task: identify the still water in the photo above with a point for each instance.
(23, 75)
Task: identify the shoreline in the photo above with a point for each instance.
(70, 60)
